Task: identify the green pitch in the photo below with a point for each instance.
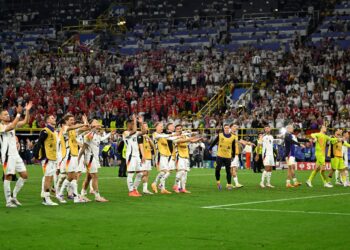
(252, 218)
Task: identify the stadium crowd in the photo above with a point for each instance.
(307, 85)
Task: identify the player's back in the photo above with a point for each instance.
(132, 147)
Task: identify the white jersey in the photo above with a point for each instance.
(345, 156)
(267, 145)
(58, 147)
(66, 139)
(132, 146)
(93, 140)
(7, 142)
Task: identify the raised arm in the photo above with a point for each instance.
(80, 126)
(27, 116)
(150, 141)
(82, 151)
(14, 123)
(216, 140)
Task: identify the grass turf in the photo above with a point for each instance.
(179, 221)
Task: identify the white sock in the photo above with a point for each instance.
(178, 178)
(263, 176)
(7, 190)
(42, 186)
(83, 192)
(61, 178)
(74, 188)
(162, 180)
(97, 195)
(145, 185)
(235, 179)
(65, 185)
(288, 181)
(268, 176)
(295, 180)
(137, 181)
(184, 180)
(70, 189)
(130, 182)
(19, 184)
(91, 188)
(159, 176)
(337, 176)
(46, 196)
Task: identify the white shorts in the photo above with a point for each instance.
(291, 161)
(49, 167)
(13, 164)
(235, 162)
(183, 164)
(269, 160)
(92, 165)
(172, 164)
(81, 165)
(163, 162)
(72, 164)
(147, 165)
(134, 164)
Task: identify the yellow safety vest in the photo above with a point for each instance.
(182, 150)
(50, 145)
(124, 151)
(106, 148)
(72, 142)
(147, 149)
(162, 146)
(336, 150)
(225, 146)
(112, 124)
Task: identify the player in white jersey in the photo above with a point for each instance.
(268, 157)
(11, 160)
(81, 166)
(70, 131)
(236, 150)
(133, 161)
(182, 159)
(162, 143)
(58, 180)
(91, 151)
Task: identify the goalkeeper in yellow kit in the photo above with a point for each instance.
(321, 140)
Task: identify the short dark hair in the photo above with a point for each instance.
(167, 126)
(47, 117)
(66, 117)
(178, 125)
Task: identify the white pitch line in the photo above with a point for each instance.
(282, 211)
(278, 200)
